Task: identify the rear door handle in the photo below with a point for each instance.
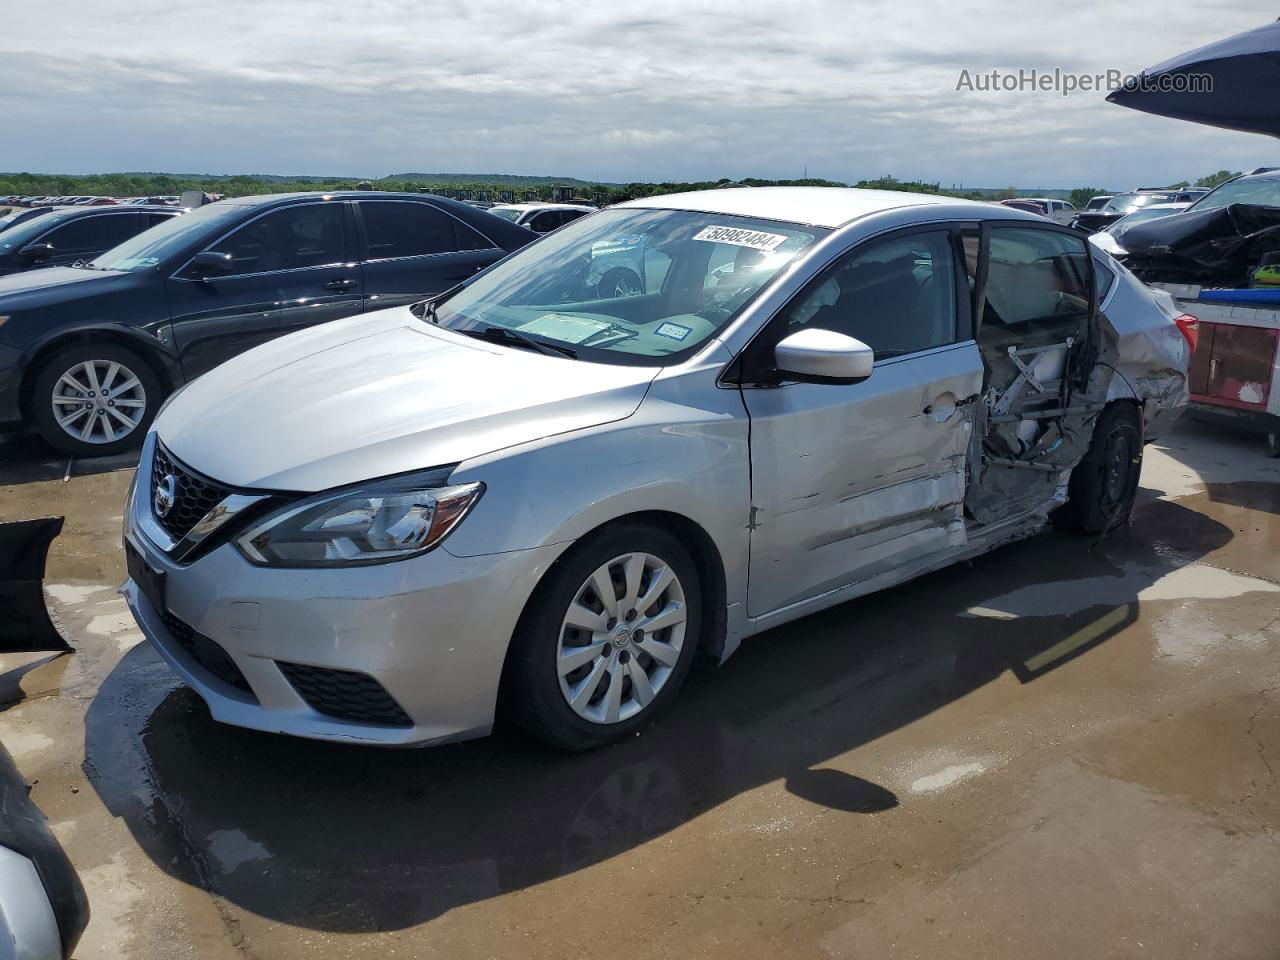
(344, 283)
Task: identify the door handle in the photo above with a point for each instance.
(344, 283)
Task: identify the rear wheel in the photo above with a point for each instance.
(607, 639)
(1104, 485)
(94, 399)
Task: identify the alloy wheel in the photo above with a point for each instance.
(99, 401)
(621, 638)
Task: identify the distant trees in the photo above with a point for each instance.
(1216, 179)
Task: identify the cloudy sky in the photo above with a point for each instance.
(617, 91)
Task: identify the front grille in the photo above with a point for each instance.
(205, 652)
(345, 695)
(194, 495)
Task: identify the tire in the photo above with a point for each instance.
(607, 660)
(1273, 443)
(619, 282)
(106, 431)
(1104, 485)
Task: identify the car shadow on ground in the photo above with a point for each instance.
(341, 838)
(25, 458)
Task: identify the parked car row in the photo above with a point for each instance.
(91, 344)
(16, 200)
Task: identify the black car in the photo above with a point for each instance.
(18, 215)
(1123, 204)
(57, 238)
(88, 353)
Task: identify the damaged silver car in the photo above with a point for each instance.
(535, 497)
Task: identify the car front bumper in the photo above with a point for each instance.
(432, 632)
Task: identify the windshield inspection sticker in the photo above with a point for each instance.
(741, 238)
(673, 331)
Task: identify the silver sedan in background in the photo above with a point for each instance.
(542, 495)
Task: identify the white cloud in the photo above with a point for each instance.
(678, 90)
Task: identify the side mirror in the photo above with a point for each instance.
(814, 355)
(36, 252)
(207, 263)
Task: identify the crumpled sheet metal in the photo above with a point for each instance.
(1202, 246)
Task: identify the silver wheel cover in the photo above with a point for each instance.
(98, 401)
(621, 638)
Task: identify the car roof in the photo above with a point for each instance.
(816, 206)
(263, 199)
(535, 205)
(70, 211)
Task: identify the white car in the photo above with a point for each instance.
(528, 497)
(541, 217)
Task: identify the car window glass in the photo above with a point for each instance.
(1103, 278)
(406, 229)
(92, 234)
(468, 239)
(1037, 282)
(630, 285)
(311, 235)
(897, 296)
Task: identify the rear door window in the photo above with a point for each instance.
(396, 228)
(1037, 283)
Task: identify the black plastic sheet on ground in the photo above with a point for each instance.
(24, 618)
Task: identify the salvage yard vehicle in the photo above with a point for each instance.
(1059, 211)
(60, 238)
(522, 497)
(541, 217)
(1122, 205)
(88, 353)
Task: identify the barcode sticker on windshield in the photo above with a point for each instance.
(741, 238)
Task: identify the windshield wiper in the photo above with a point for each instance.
(513, 338)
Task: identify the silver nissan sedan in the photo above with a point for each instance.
(544, 492)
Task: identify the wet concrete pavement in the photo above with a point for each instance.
(1063, 749)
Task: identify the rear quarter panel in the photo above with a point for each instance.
(1154, 356)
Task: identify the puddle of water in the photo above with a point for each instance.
(231, 849)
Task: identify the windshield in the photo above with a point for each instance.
(1138, 216)
(506, 213)
(1133, 201)
(167, 239)
(17, 237)
(1263, 193)
(633, 286)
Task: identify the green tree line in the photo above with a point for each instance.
(164, 184)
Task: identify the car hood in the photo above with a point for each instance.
(379, 394)
(31, 281)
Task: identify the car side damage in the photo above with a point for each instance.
(1048, 360)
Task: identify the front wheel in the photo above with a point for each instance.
(94, 399)
(607, 640)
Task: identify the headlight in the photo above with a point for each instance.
(376, 523)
